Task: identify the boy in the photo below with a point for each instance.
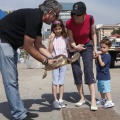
(103, 74)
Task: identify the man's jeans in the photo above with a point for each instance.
(8, 68)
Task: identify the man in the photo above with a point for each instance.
(22, 28)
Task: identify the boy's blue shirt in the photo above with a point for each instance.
(103, 73)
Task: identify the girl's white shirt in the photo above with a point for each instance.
(60, 46)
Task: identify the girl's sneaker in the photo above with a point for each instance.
(108, 104)
(56, 104)
(101, 102)
(62, 104)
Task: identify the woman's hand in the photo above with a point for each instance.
(80, 47)
(95, 53)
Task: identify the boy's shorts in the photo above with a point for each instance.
(103, 86)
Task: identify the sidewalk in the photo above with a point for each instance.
(37, 95)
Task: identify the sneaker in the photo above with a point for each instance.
(62, 104)
(108, 104)
(56, 104)
(27, 118)
(81, 102)
(32, 115)
(94, 107)
(101, 102)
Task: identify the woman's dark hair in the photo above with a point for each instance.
(59, 23)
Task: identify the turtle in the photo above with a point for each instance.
(61, 61)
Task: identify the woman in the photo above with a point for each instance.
(79, 30)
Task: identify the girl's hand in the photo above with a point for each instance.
(51, 37)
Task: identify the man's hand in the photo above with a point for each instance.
(50, 61)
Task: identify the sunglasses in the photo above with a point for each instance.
(76, 14)
(56, 15)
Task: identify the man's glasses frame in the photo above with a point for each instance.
(56, 15)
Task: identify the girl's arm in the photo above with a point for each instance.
(50, 44)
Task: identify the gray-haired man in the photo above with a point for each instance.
(22, 28)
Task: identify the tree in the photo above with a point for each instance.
(116, 31)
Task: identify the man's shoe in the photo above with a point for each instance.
(32, 115)
(27, 118)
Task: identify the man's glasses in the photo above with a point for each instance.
(56, 15)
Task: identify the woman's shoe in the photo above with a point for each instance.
(80, 103)
(93, 107)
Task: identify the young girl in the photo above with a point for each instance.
(58, 43)
(103, 74)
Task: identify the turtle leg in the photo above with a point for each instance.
(69, 60)
(45, 74)
(73, 58)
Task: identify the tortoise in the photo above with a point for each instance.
(61, 61)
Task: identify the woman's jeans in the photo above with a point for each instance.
(8, 68)
(87, 57)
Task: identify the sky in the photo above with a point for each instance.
(104, 11)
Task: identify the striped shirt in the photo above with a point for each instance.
(60, 46)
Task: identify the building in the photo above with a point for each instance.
(105, 30)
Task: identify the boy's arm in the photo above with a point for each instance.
(102, 64)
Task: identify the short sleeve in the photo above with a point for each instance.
(106, 59)
(33, 25)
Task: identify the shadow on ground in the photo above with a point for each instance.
(44, 103)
